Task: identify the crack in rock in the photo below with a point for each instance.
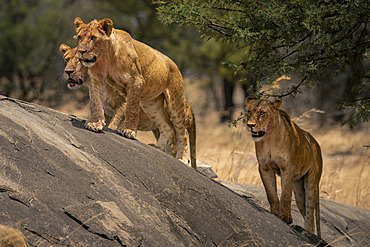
(19, 199)
(104, 219)
(4, 188)
(87, 228)
(51, 240)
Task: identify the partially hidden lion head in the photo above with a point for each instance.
(261, 115)
(92, 39)
(74, 72)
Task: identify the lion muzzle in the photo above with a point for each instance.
(255, 134)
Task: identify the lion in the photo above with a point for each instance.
(10, 237)
(284, 149)
(111, 98)
(140, 73)
(77, 75)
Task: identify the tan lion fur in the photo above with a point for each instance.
(284, 149)
(140, 73)
(10, 237)
(114, 104)
(111, 98)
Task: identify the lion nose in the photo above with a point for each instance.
(68, 72)
(251, 125)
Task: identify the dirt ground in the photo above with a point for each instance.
(230, 150)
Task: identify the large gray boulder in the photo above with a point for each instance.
(341, 225)
(61, 184)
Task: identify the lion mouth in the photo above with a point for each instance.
(73, 84)
(257, 134)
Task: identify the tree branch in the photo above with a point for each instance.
(290, 92)
(356, 100)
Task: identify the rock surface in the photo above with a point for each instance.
(61, 184)
(341, 225)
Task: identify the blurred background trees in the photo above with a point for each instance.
(30, 34)
(326, 43)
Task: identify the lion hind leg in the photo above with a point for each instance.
(176, 110)
(155, 111)
(317, 212)
(287, 184)
(299, 194)
(118, 117)
(311, 198)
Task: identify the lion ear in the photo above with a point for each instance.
(63, 49)
(277, 103)
(78, 23)
(106, 25)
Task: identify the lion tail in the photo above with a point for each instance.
(317, 213)
(192, 141)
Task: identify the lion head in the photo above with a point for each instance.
(261, 115)
(92, 38)
(74, 72)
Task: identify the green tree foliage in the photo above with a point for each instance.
(312, 39)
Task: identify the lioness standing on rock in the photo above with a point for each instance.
(137, 71)
(284, 149)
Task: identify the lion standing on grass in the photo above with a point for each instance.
(284, 149)
(138, 72)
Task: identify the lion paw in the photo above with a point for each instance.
(95, 126)
(130, 134)
(183, 160)
(287, 219)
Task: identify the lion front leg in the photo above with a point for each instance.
(269, 182)
(131, 121)
(97, 119)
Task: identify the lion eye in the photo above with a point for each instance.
(262, 113)
(93, 38)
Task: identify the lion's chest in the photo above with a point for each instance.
(272, 156)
